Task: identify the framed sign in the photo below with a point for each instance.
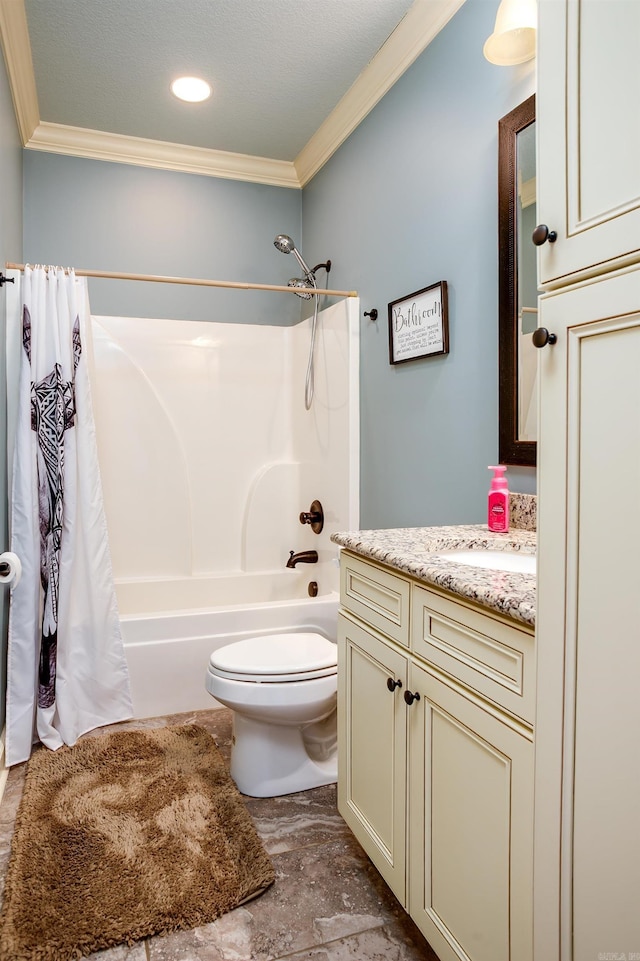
(419, 324)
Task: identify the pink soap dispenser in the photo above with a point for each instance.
(498, 507)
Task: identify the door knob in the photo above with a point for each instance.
(392, 685)
(410, 697)
(542, 234)
(541, 337)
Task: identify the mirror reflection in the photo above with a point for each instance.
(517, 285)
(527, 428)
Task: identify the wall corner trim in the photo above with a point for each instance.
(16, 46)
(424, 20)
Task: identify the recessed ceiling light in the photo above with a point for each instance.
(191, 89)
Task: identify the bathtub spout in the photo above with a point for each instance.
(304, 557)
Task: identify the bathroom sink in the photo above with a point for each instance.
(512, 561)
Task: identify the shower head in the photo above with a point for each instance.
(286, 246)
(302, 282)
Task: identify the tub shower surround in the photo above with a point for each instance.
(203, 515)
(230, 457)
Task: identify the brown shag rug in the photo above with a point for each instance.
(124, 836)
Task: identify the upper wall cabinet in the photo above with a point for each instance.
(589, 145)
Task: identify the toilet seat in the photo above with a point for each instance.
(276, 658)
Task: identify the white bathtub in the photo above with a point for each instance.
(168, 650)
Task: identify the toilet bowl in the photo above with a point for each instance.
(282, 689)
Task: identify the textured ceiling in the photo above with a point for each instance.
(278, 67)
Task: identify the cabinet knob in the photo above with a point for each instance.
(410, 698)
(392, 685)
(541, 337)
(542, 233)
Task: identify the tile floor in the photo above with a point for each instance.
(328, 902)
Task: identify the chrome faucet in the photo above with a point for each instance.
(304, 557)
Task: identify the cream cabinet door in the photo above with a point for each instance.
(588, 135)
(470, 849)
(372, 745)
(587, 826)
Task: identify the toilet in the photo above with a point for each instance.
(282, 689)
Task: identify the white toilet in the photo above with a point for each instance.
(282, 689)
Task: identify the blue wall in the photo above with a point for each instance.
(411, 199)
(110, 216)
(11, 250)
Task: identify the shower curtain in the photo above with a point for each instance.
(66, 670)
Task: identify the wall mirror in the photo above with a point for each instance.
(517, 286)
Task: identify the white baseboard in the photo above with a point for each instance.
(4, 770)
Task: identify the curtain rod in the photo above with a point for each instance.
(195, 282)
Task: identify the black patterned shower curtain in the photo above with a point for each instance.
(66, 671)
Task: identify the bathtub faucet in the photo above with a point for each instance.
(304, 557)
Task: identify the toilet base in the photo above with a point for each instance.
(268, 760)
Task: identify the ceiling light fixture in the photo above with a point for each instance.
(514, 36)
(191, 89)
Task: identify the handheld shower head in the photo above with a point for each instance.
(286, 245)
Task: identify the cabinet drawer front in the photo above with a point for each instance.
(491, 657)
(377, 597)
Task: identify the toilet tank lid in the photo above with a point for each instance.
(276, 654)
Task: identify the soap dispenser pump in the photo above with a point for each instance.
(498, 503)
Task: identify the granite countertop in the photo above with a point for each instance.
(412, 549)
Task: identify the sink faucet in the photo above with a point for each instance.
(304, 557)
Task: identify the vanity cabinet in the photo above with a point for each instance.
(587, 771)
(588, 135)
(438, 787)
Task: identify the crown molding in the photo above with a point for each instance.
(423, 21)
(98, 145)
(16, 47)
(412, 35)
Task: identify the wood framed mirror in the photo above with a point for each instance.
(517, 287)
